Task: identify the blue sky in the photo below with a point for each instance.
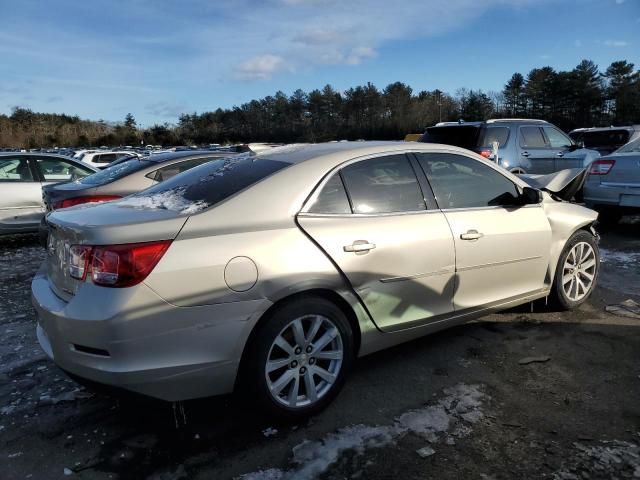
(158, 59)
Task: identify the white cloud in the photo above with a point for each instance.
(359, 54)
(260, 68)
(616, 43)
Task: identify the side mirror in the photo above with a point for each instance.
(531, 196)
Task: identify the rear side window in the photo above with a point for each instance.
(205, 185)
(531, 137)
(104, 158)
(462, 182)
(15, 170)
(489, 135)
(383, 185)
(58, 170)
(332, 198)
(465, 136)
(170, 171)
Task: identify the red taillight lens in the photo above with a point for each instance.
(125, 265)
(79, 258)
(601, 167)
(70, 202)
(486, 153)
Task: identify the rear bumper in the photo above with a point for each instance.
(613, 196)
(134, 340)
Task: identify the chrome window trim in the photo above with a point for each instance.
(368, 215)
(492, 207)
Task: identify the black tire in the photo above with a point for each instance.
(253, 380)
(558, 295)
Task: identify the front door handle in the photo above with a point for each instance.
(525, 154)
(359, 247)
(471, 235)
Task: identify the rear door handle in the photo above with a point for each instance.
(471, 235)
(359, 247)
(525, 154)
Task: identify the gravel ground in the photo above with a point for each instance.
(526, 394)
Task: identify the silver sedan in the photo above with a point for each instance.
(22, 176)
(270, 274)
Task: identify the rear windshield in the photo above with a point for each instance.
(630, 147)
(116, 172)
(603, 140)
(203, 186)
(493, 134)
(458, 135)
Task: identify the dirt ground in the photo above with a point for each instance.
(519, 394)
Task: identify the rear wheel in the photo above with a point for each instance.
(577, 271)
(298, 359)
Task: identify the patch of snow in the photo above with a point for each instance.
(611, 459)
(460, 405)
(167, 200)
(14, 455)
(425, 452)
(67, 471)
(270, 432)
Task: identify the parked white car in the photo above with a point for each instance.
(102, 159)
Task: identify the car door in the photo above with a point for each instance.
(560, 145)
(502, 249)
(534, 150)
(371, 219)
(20, 195)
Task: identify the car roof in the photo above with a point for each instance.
(163, 157)
(630, 128)
(302, 152)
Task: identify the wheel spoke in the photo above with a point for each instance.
(329, 355)
(310, 386)
(566, 279)
(588, 275)
(589, 264)
(569, 289)
(277, 364)
(284, 345)
(283, 381)
(292, 398)
(323, 374)
(298, 333)
(586, 253)
(317, 322)
(325, 339)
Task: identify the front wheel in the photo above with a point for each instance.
(299, 358)
(577, 271)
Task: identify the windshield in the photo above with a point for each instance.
(115, 172)
(630, 147)
(205, 185)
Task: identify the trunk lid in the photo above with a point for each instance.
(101, 224)
(564, 184)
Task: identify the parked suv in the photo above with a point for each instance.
(605, 140)
(525, 146)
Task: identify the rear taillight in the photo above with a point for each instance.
(116, 265)
(79, 258)
(485, 153)
(601, 167)
(70, 202)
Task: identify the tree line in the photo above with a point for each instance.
(581, 97)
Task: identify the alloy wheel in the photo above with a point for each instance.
(579, 271)
(304, 361)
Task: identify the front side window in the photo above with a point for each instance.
(557, 139)
(57, 170)
(531, 137)
(383, 185)
(15, 170)
(332, 199)
(462, 182)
